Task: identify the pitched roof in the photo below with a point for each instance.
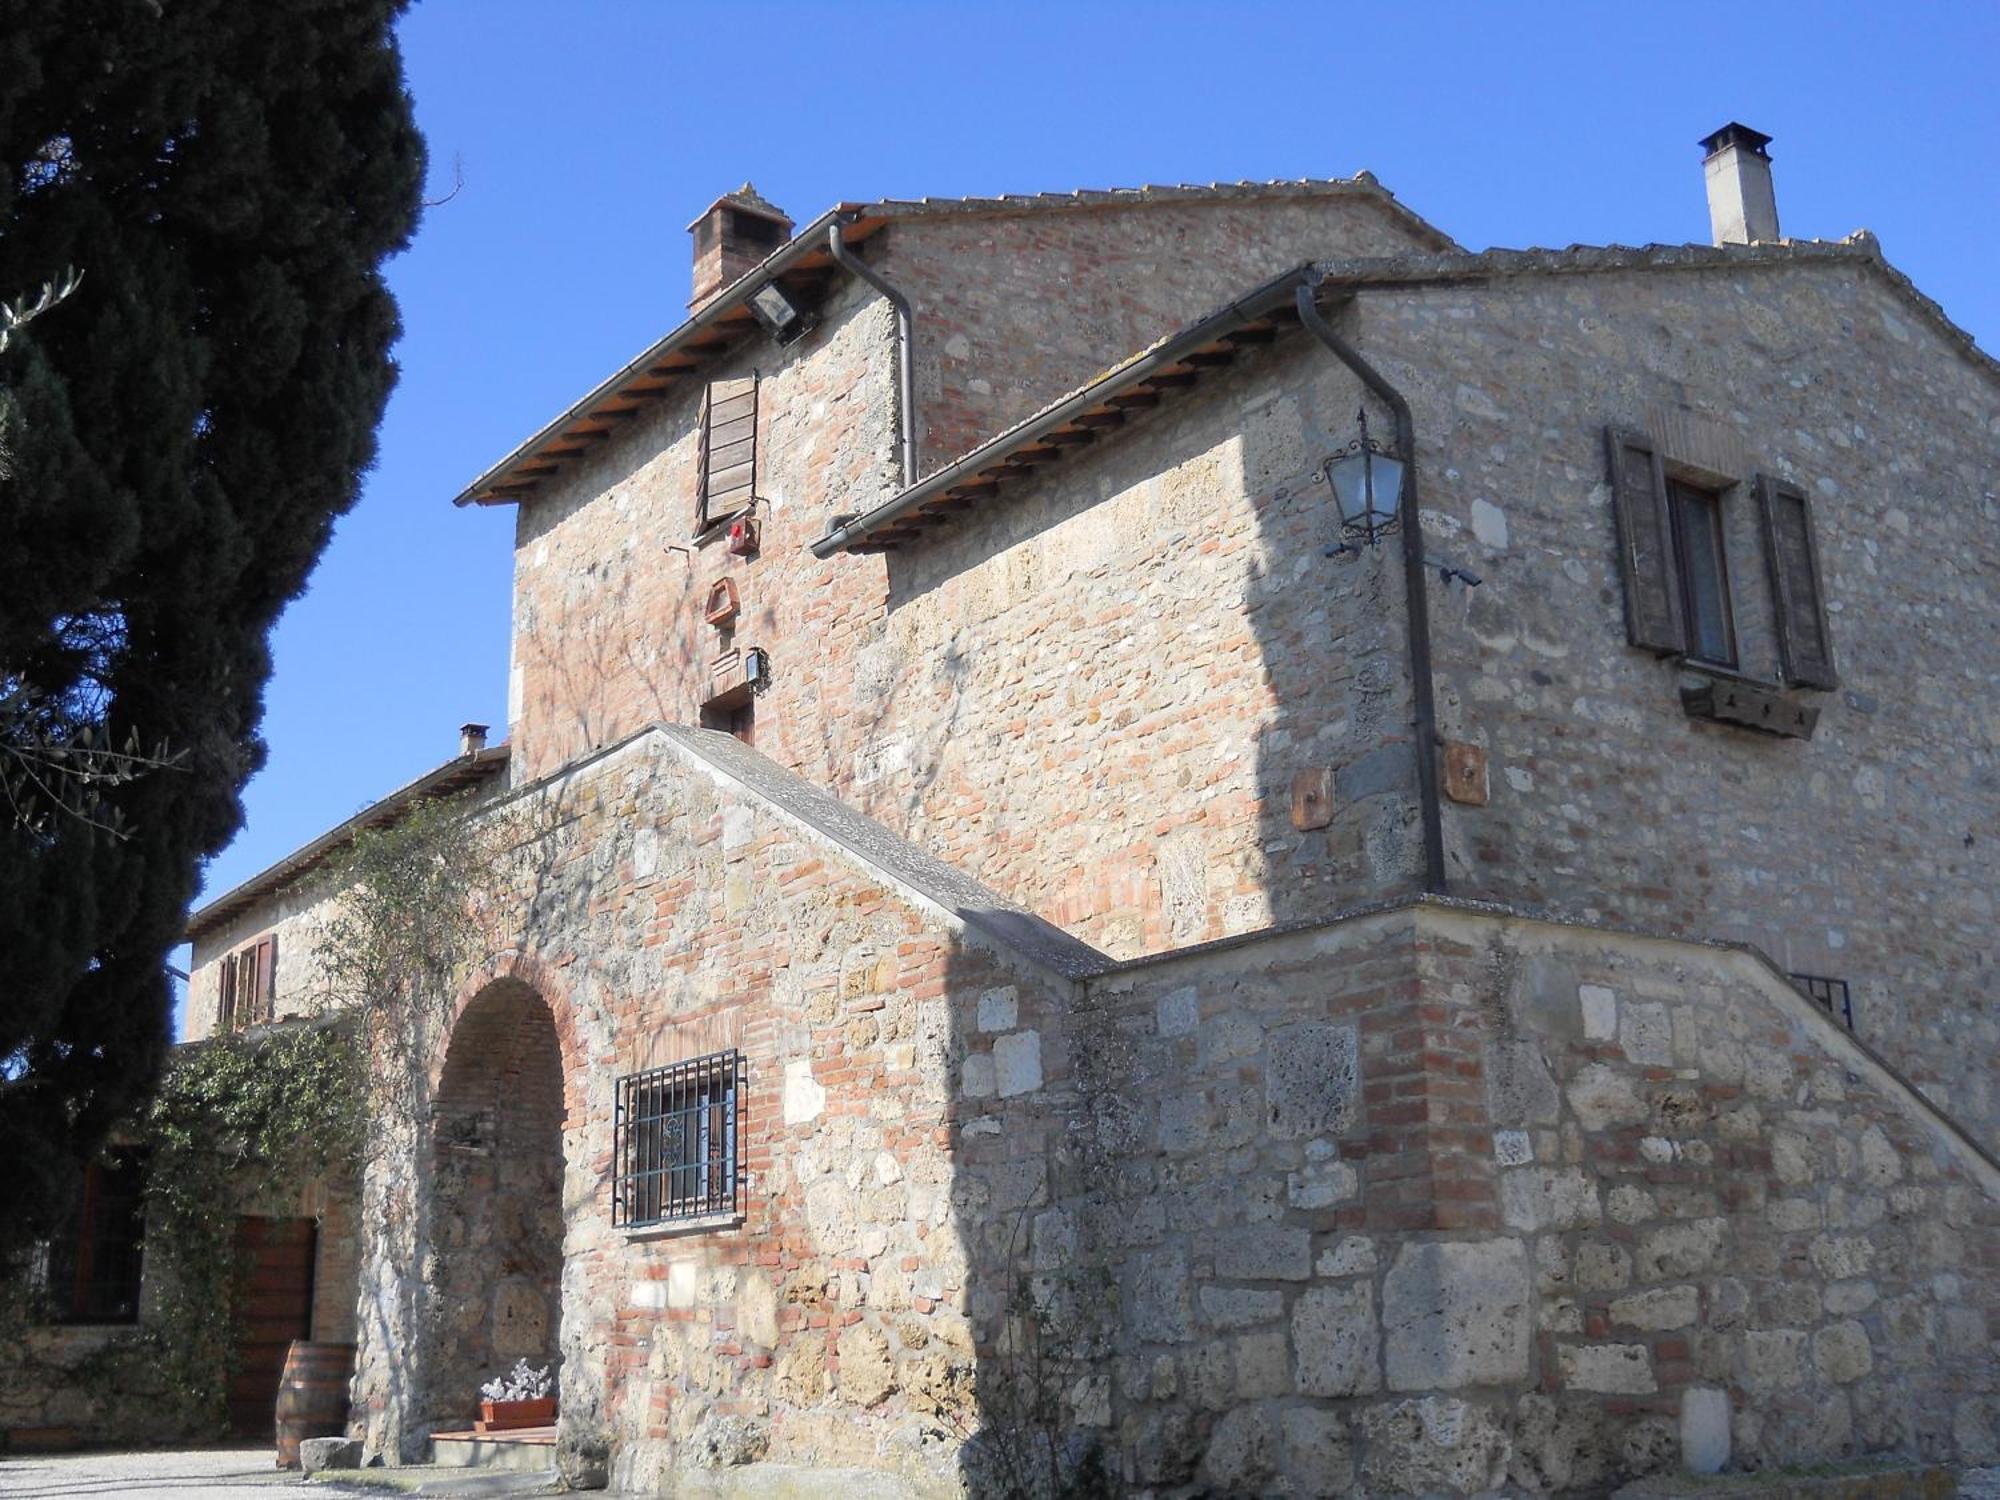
(803, 266)
(1140, 382)
(455, 775)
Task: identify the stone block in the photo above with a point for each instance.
(1319, 1454)
(1774, 1359)
(1263, 1366)
(1456, 1314)
(999, 1010)
(1263, 1252)
(1646, 1035)
(1704, 1430)
(1240, 1307)
(1162, 1297)
(1321, 1185)
(1549, 1198)
(1017, 1063)
(1661, 1308)
(1603, 1096)
(1600, 1012)
(1178, 1012)
(1353, 1256)
(322, 1453)
(1432, 1444)
(1841, 1352)
(1612, 1369)
(1519, 1088)
(1243, 1452)
(1675, 1251)
(804, 1096)
(1312, 1081)
(1334, 1340)
(1513, 1148)
(867, 1375)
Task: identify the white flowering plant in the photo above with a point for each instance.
(525, 1382)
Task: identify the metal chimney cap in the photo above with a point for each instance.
(472, 737)
(1738, 135)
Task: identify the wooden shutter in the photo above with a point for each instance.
(225, 985)
(266, 1006)
(728, 456)
(247, 985)
(1653, 615)
(1791, 551)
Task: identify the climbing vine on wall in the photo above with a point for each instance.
(239, 1123)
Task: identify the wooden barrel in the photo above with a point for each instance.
(312, 1395)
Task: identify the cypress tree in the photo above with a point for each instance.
(182, 432)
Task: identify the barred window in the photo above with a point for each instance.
(674, 1135)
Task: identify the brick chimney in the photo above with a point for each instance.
(1742, 206)
(735, 232)
(471, 738)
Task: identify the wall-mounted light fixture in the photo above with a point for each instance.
(757, 668)
(782, 318)
(1367, 481)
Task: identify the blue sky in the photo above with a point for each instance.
(590, 133)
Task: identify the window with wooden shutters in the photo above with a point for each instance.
(1646, 551)
(225, 987)
(1805, 645)
(727, 479)
(249, 984)
(263, 1004)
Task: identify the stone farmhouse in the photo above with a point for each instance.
(1196, 827)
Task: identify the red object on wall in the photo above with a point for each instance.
(743, 537)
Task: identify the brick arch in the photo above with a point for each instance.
(494, 1275)
(546, 982)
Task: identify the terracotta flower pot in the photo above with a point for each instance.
(503, 1416)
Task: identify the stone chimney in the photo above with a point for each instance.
(735, 232)
(1742, 208)
(471, 738)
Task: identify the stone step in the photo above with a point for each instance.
(530, 1449)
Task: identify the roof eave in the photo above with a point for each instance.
(727, 305)
(454, 775)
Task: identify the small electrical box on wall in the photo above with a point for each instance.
(743, 537)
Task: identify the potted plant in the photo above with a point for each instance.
(524, 1397)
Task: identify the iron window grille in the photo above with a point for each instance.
(674, 1142)
(1830, 993)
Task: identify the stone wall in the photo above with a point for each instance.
(1864, 853)
(1013, 309)
(669, 911)
(1426, 1200)
(1439, 1200)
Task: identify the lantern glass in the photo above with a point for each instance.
(1368, 487)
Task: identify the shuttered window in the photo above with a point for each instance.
(225, 1005)
(727, 479)
(264, 1002)
(1805, 645)
(1654, 615)
(248, 986)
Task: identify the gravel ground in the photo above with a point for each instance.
(193, 1474)
(183, 1474)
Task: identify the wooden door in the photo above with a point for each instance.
(273, 1307)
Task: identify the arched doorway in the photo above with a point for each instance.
(494, 1275)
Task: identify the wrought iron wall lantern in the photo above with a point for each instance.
(1367, 481)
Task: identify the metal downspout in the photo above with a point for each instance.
(906, 385)
(1415, 585)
